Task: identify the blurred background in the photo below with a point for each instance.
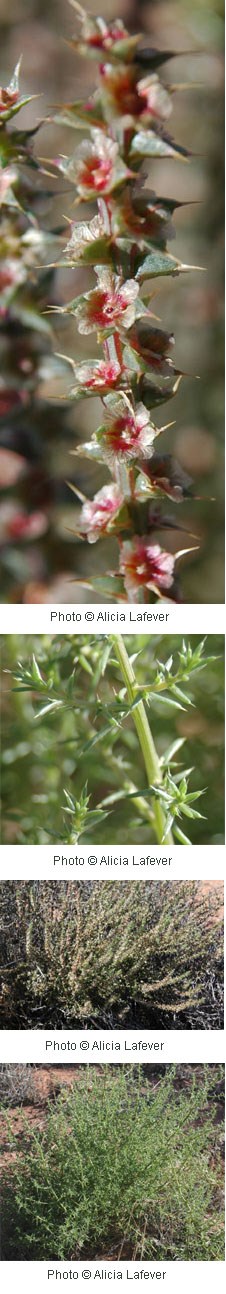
(39, 759)
(35, 460)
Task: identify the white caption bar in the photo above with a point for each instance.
(172, 1277)
(107, 1047)
(99, 618)
(109, 862)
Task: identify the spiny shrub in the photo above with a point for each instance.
(126, 243)
(121, 1168)
(106, 715)
(112, 954)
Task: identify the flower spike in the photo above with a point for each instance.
(126, 244)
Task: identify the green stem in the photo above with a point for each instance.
(149, 752)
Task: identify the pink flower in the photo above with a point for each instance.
(15, 523)
(101, 35)
(97, 167)
(128, 432)
(12, 274)
(109, 305)
(156, 101)
(146, 565)
(120, 91)
(126, 97)
(12, 466)
(8, 175)
(10, 94)
(98, 513)
(98, 376)
(7, 98)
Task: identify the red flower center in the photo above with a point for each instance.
(146, 566)
(18, 526)
(122, 434)
(7, 99)
(123, 91)
(105, 306)
(95, 173)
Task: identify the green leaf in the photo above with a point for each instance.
(36, 674)
(70, 802)
(52, 705)
(94, 817)
(171, 751)
(85, 664)
(157, 263)
(146, 143)
(112, 586)
(77, 114)
(97, 252)
(152, 395)
(165, 700)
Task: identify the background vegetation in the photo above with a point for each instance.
(138, 1177)
(112, 954)
(85, 742)
(40, 569)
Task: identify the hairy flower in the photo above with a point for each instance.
(143, 101)
(128, 432)
(101, 35)
(98, 167)
(12, 466)
(8, 175)
(99, 376)
(146, 565)
(97, 514)
(15, 523)
(121, 96)
(156, 100)
(12, 274)
(110, 305)
(8, 97)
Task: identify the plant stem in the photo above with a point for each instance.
(149, 752)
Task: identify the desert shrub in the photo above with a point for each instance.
(111, 954)
(17, 1085)
(120, 1163)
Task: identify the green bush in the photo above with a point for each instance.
(111, 954)
(122, 1167)
(87, 756)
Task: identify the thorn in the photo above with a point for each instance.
(183, 551)
(78, 493)
(78, 8)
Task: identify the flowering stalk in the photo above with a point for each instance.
(149, 752)
(126, 120)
